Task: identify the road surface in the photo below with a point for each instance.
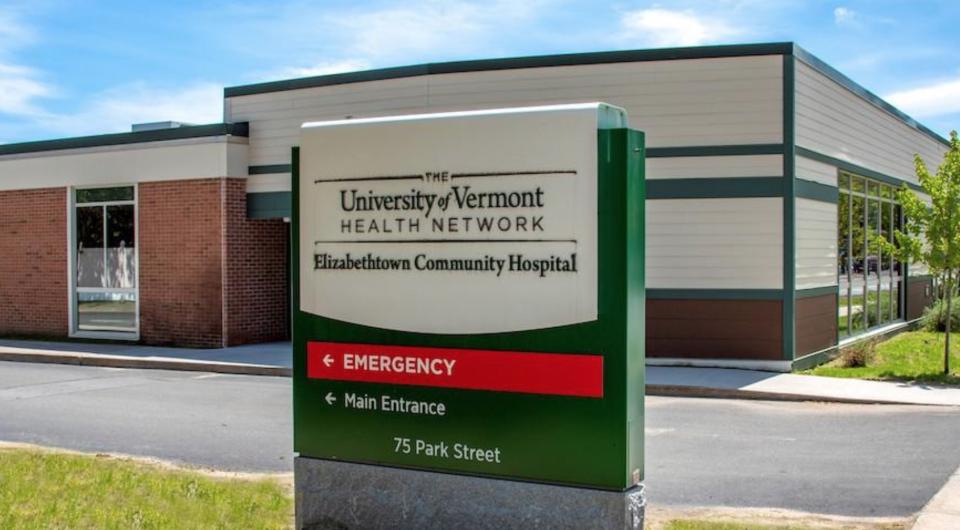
(858, 460)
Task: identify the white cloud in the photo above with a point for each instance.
(313, 38)
(664, 27)
(20, 89)
(116, 109)
(844, 15)
(428, 27)
(936, 99)
(25, 94)
(13, 32)
(322, 68)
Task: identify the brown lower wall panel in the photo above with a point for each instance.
(918, 298)
(816, 323)
(715, 329)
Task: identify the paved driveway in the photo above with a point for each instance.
(861, 460)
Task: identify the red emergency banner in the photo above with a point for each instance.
(558, 374)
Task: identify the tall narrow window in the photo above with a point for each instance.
(844, 260)
(870, 290)
(858, 240)
(873, 256)
(106, 260)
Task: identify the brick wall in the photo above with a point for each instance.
(181, 250)
(209, 277)
(33, 262)
(257, 273)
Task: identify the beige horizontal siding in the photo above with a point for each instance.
(816, 247)
(834, 121)
(715, 166)
(715, 243)
(721, 101)
(268, 182)
(192, 158)
(813, 170)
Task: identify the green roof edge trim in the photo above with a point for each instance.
(576, 59)
(513, 63)
(177, 133)
(850, 167)
(840, 78)
(713, 294)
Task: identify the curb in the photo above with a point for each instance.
(190, 365)
(942, 512)
(148, 363)
(728, 393)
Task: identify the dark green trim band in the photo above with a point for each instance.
(697, 188)
(816, 191)
(714, 188)
(569, 59)
(854, 168)
(921, 278)
(851, 85)
(268, 169)
(715, 150)
(789, 208)
(577, 59)
(268, 205)
(813, 359)
(159, 135)
(714, 294)
(656, 152)
(818, 291)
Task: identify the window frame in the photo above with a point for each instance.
(72, 289)
(845, 297)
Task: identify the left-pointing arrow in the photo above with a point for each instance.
(327, 360)
(331, 399)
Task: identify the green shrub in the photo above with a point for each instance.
(935, 317)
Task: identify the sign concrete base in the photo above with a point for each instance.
(347, 496)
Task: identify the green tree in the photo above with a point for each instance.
(931, 232)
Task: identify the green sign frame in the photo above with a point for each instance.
(577, 441)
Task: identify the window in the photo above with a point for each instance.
(105, 260)
(870, 280)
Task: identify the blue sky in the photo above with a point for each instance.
(72, 68)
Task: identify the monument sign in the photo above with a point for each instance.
(469, 294)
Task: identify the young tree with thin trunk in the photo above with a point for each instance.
(931, 232)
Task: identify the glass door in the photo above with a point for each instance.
(106, 260)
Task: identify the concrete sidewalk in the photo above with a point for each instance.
(943, 510)
(275, 359)
(754, 384)
(272, 359)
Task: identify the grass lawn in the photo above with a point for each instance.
(41, 489)
(912, 356)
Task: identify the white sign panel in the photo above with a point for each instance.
(471, 222)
